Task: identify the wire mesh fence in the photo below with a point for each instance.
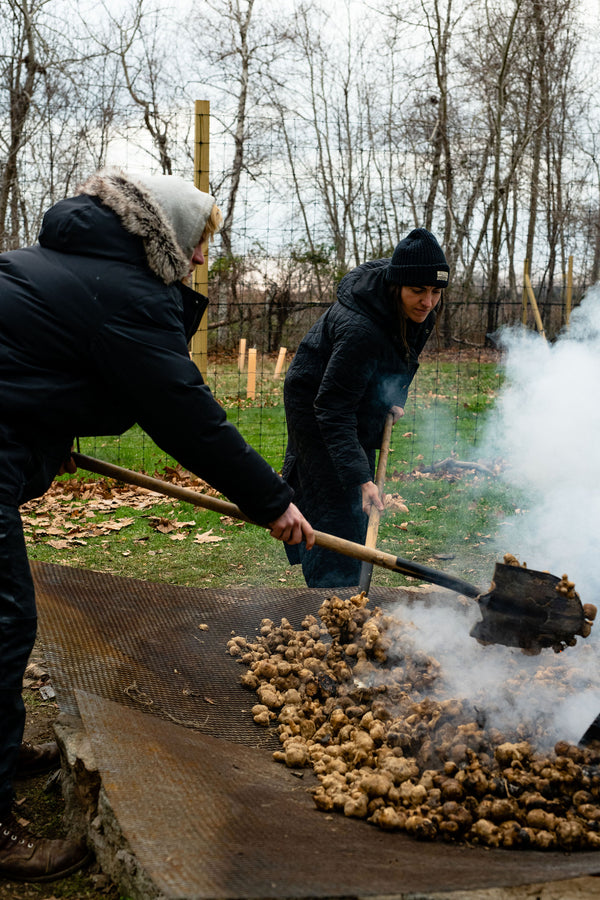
(275, 270)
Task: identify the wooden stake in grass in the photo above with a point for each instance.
(251, 388)
(280, 361)
(242, 355)
(534, 306)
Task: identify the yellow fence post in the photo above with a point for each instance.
(280, 361)
(242, 355)
(199, 344)
(251, 388)
(534, 306)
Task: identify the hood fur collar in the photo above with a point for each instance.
(140, 215)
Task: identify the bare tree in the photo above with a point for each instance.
(57, 115)
(459, 115)
(21, 70)
(549, 45)
(140, 39)
(328, 129)
(232, 60)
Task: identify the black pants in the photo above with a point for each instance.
(18, 622)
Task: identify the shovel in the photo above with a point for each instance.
(523, 608)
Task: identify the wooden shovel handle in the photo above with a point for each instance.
(375, 514)
(100, 467)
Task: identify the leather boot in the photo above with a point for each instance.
(25, 857)
(35, 759)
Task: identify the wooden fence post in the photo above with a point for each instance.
(280, 361)
(524, 294)
(251, 389)
(242, 355)
(534, 306)
(199, 343)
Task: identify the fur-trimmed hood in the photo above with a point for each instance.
(169, 224)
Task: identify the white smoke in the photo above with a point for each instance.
(561, 692)
(546, 430)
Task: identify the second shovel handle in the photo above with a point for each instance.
(375, 514)
(366, 570)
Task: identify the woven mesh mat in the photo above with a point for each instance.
(190, 776)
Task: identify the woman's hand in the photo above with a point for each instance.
(370, 497)
(292, 528)
(397, 413)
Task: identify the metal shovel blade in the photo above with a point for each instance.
(525, 609)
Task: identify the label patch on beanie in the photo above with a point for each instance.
(442, 276)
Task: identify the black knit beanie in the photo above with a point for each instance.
(419, 260)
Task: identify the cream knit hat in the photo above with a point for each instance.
(186, 207)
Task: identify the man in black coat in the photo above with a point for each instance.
(95, 322)
(352, 368)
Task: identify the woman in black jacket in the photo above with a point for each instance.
(352, 368)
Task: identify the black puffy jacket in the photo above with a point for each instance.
(93, 341)
(349, 369)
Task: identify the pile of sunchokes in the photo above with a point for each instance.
(388, 747)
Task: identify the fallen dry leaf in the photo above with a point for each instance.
(394, 503)
(117, 524)
(167, 526)
(207, 537)
(160, 523)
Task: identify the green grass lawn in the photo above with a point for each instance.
(451, 520)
